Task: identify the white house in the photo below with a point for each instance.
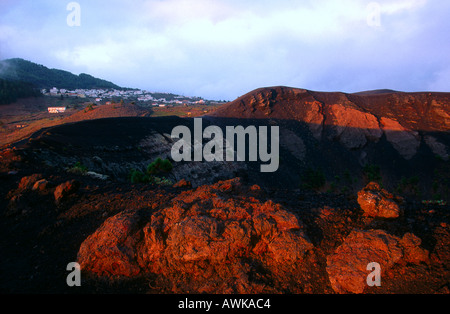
(54, 91)
(56, 109)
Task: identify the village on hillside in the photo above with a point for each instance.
(30, 114)
(143, 97)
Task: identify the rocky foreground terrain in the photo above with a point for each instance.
(220, 238)
(223, 227)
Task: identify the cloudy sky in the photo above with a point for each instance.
(221, 49)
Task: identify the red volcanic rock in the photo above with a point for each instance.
(353, 127)
(29, 181)
(108, 251)
(377, 202)
(347, 266)
(17, 197)
(182, 183)
(207, 240)
(277, 103)
(65, 189)
(352, 119)
(40, 185)
(441, 252)
(413, 253)
(16, 205)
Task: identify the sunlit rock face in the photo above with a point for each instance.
(207, 240)
(354, 120)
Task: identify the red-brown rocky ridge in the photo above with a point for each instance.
(353, 119)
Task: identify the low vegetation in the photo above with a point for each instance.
(89, 107)
(155, 173)
(78, 168)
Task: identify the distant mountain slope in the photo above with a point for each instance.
(376, 91)
(10, 91)
(22, 70)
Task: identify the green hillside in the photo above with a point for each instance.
(10, 91)
(42, 77)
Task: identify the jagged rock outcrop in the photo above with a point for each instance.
(352, 119)
(353, 127)
(377, 202)
(110, 250)
(41, 185)
(405, 141)
(65, 189)
(29, 181)
(347, 266)
(207, 240)
(437, 147)
(17, 203)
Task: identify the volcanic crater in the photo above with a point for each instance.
(363, 178)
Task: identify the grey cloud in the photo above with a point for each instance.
(225, 54)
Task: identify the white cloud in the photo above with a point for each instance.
(178, 12)
(7, 32)
(398, 6)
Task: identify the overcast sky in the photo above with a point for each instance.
(221, 49)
